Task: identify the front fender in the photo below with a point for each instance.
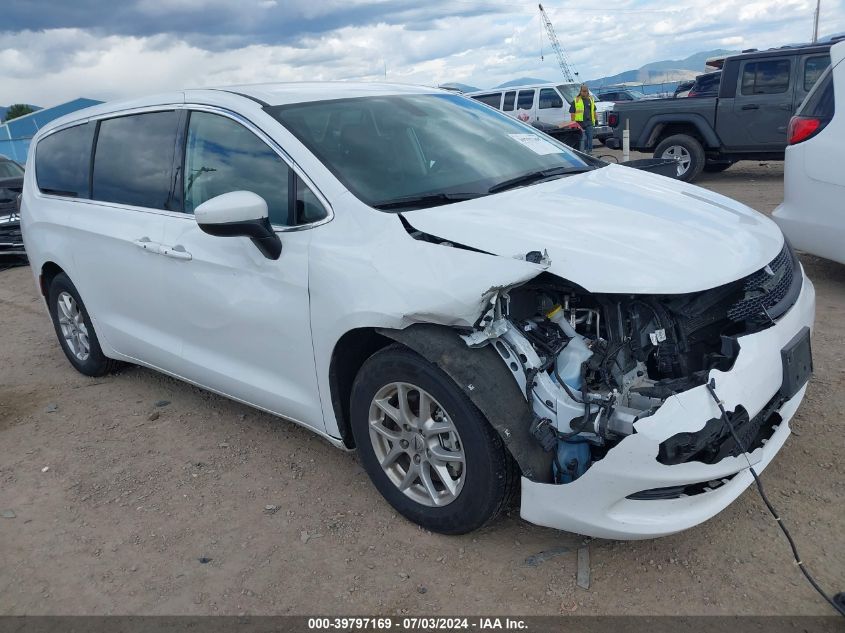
(487, 381)
(648, 136)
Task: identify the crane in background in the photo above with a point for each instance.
(568, 70)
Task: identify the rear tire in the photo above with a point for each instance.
(687, 150)
(451, 440)
(74, 329)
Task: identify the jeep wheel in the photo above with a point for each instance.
(687, 151)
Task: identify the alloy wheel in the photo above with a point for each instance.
(72, 324)
(417, 444)
(680, 154)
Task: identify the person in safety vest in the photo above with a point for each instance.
(583, 111)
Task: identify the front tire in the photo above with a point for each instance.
(426, 447)
(74, 329)
(687, 151)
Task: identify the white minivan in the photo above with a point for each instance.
(546, 105)
(473, 306)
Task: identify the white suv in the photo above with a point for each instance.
(813, 212)
(473, 306)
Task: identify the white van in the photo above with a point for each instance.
(546, 104)
(473, 306)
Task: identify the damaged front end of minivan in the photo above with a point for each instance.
(613, 427)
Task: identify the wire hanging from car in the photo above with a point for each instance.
(711, 387)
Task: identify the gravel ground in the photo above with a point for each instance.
(138, 494)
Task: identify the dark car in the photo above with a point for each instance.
(683, 88)
(618, 95)
(742, 112)
(706, 85)
(11, 185)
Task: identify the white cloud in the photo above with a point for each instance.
(57, 64)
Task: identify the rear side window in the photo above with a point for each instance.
(813, 69)
(549, 98)
(510, 97)
(821, 101)
(525, 100)
(711, 82)
(766, 77)
(62, 161)
(706, 85)
(133, 162)
(491, 99)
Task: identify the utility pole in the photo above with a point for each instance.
(816, 21)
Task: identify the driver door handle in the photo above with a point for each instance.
(751, 106)
(176, 252)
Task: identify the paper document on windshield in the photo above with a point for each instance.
(536, 144)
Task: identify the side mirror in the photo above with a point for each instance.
(240, 213)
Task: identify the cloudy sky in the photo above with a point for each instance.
(52, 51)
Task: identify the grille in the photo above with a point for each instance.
(766, 288)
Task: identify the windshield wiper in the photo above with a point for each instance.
(426, 200)
(534, 176)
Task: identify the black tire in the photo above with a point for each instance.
(716, 166)
(96, 363)
(491, 476)
(692, 147)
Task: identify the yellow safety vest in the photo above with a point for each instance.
(579, 109)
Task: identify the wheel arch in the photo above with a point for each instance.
(486, 380)
(49, 271)
(349, 353)
(662, 126)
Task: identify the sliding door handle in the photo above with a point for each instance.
(148, 245)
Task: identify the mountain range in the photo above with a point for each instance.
(663, 71)
(666, 70)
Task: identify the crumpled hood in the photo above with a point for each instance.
(616, 230)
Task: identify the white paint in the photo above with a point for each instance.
(811, 214)
(263, 332)
(626, 143)
(615, 229)
(235, 206)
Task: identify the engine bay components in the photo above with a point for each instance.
(592, 365)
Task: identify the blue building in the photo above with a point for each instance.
(16, 134)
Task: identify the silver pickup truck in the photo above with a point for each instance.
(758, 93)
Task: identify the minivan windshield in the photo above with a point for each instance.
(413, 151)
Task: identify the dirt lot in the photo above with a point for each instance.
(115, 506)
